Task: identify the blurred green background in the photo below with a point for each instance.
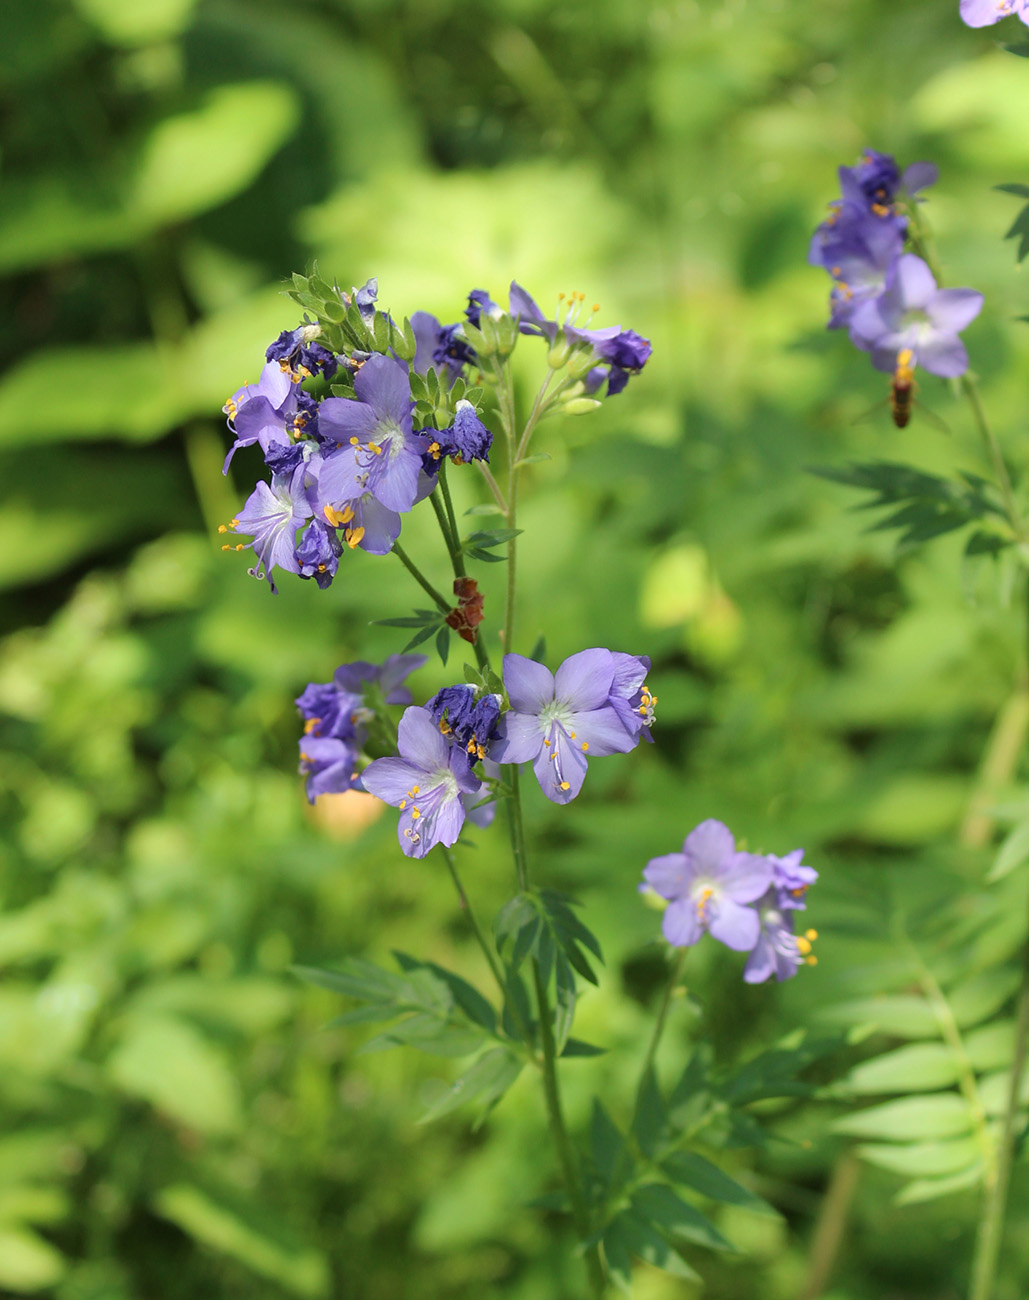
(176, 1121)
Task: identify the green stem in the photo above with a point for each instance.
(466, 907)
(991, 1225)
(423, 582)
(444, 487)
(559, 1133)
(448, 527)
(971, 390)
(675, 975)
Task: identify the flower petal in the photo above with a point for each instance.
(736, 926)
(601, 732)
(951, 310)
(913, 281)
(746, 876)
(391, 779)
(529, 685)
(419, 740)
(560, 765)
(668, 875)
(681, 924)
(519, 738)
(709, 847)
(584, 680)
(944, 355)
(386, 388)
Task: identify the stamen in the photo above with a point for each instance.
(310, 725)
(352, 536)
(585, 746)
(565, 785)
(415, 813)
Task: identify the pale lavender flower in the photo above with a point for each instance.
(271, 516)
(984, 13)
(426, 783)
(558, 720)
(709, 886)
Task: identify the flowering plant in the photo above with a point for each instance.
(360, 418)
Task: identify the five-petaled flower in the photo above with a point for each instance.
(557, 721)
(426, 783)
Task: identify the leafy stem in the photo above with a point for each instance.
(466, 907)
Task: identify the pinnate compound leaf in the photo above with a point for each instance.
(486, 1081)
(648, 1121)
(941, 1115)
(929, 1189)
(991, 1047)
(467, 997)
(976, 999)
(642, 1239)
(607, 1145)
(902, 1015)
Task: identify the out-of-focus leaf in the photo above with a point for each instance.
(992, 1046)
(672, 1215)
(903, 1015)
(486, 1081)
(929, 1189)
(180, 1072)
(124, 22)
(303, 1272)
(691, 1170)
(1013, 852)
(922, 1066)
(924, 1159)
(911, 1119)
(977, 998)
(195, 161)
(27, 1262)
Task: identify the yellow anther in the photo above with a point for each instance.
(374, 446)
(811, 934)
(305, 758)
(444, 726)
(470, 747)
(435, 451)
(571, 735)
(706, 894)
(402, 804)
(810, 961)
(416, 789)
(240, 546)
(226, 547)
(596, 306)
(322, 568)
(415, 814)
(223, 528)
(565, 785)
(355, 442)
(546, 741)
(585, 746)
(803, 945)
(560, 297)
(353, 536)
(310, 725)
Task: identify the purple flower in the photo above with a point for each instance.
(299, 356)
(318, 553)
(791, 879)
(479, 301)
(877, 181)
(778, 951)
(328, 764)
(984, 13)
(426, 783)
(912, 314)
(629, 696)
(269, 412)
(378, 451)
(709, 886)
(555, 721)
(440, 346)
(471, 722)
(858, 249)
(467, 439)
(271, 516)
(336, 719)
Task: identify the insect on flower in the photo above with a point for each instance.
(902, 389)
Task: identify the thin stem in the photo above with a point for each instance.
(971, 390)
(674, 976)
(423, 582)
(448, 527)
(493, 486)
(566, 1155)
(517, 829)
(444, 487)
(466, 907)
(444, 526)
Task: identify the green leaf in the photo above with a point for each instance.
(918, 1068)
(902, 1015)
(618, 1254)
(532, 460)
(355, 978)
(466, 996)
(691, 1170)
(443, 643)
(982, 995)
(27, 1261)
(181, 1073)
(607, 1145)
(657, 1203)
(490, 537)
(576, 1047)
(304, 1272)
(910, 1119)
(1020, 230)
(487, 509)
(1014, 852)
(1022, 50)
(126, 23)
(646, 1242)
(486, 1081)
(564, 1001)
(929, 1189)
(993, 1046)
(1015, 187)
(196, 161)
(427, 1033)
(924, 1159)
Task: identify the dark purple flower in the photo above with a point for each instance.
(479, 301)
(858, 249)
(629, 696)
(318, 552)
(709, 886)
(557, 720)
(426, 783)
(378, 451)
(441, 346)
(271, 516)
(778, 951)
(471, 722)
(467, 439)
(299, 356)
(877, 181)
(984, 13)
(389, 676)
(912, 314)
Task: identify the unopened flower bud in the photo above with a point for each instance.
(580, 405)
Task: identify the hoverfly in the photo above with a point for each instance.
(902, 400)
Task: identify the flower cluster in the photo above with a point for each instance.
(744, 900)
(597, 703)
(344, 469)
(885, 297)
